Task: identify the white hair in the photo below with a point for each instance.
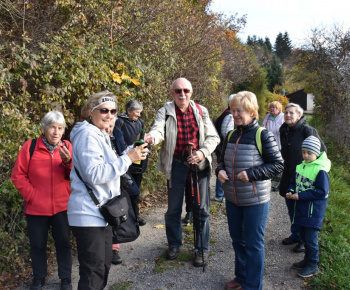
(297, 107)
(53, 117)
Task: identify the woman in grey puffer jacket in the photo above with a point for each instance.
(245, 174)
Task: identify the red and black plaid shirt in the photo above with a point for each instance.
(187, 130)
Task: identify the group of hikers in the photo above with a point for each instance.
(53, 174)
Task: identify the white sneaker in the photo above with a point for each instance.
(220, 199)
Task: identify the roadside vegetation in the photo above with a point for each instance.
(55, 54)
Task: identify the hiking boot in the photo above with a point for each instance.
(37, 284)
(219, 199)
(233, 285)
(187, 219)
(198, 259)
(289, 241)
(141, 221)
(66, 284)
(299, 248)
(310, 270)
(171, 253)
(116, 259)
(299, 265)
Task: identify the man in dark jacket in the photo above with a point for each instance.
(223, 124)
(293, 132)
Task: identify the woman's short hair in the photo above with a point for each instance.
(248, 101)
(276, 104)
(133, 105)
(296, 106)
(95, 100)
(53, 117)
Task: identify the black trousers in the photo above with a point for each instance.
(38, 231)
(94, 246)
(188, 195)
(135, 198)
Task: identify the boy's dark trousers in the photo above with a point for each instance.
(310, 237)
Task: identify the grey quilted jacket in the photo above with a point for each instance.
(240, 153)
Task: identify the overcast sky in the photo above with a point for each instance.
(297, 17)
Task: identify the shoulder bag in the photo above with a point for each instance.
(114, 211)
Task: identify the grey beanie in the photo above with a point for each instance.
(312, 144)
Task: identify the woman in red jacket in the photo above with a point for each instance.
(41, 175)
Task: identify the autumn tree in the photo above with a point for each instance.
(268, 60)
(55, 54)
(324, 67)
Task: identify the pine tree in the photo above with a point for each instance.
(274, 73)
(268, 44)
(283, 46)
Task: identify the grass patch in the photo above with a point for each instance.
(121, 286)
(217, 209)
(163, 264)
(334, 239)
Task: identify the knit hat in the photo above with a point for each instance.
(312, 144)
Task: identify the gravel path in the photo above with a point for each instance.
(140, 257)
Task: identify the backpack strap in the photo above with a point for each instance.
(257, 138)
(199, 109)
(32, 148)
(230, 134)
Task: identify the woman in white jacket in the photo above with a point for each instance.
(100, 169)
(274, 120)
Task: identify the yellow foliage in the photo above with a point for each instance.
(276, 97)
(116, 77)
(159, 226)
(136, 82)
(126, 93)
(120, 66)
(125, 76)
(138, 72)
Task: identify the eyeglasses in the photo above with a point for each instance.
(178, 91)
(105, 111)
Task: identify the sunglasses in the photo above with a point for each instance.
(178, 91)
(105, 111)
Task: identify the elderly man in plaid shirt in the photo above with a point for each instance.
(177, 124)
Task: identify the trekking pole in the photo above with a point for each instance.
(198, 200)
(189, 149)
(199, 217)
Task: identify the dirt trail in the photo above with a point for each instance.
(139, 257)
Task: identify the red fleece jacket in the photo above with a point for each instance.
(43, 180)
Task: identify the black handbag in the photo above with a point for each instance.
(129, 230)
(114, 211)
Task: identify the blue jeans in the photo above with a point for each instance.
(293, 228)
(173, 225)
(247, 228)
(310, 237)
(218, 188)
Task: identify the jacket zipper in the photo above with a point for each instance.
(311, 208)
(254, 188)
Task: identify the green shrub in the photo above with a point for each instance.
(14, 248)
(334, 239)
